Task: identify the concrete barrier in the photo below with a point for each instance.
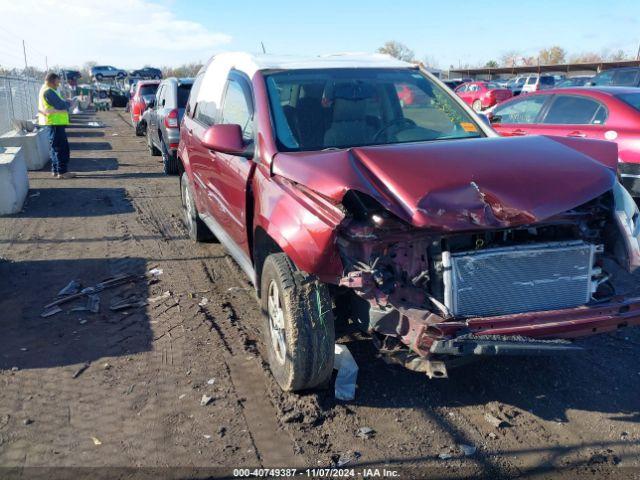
(35, 147)
(14, 181)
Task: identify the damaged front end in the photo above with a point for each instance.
(503, 282)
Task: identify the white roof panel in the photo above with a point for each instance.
(250, 63)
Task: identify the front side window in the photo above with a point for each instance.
(524, 110)
(342, 108)
(575, 110)
(532, 80)
(193, 96)
(236, 109)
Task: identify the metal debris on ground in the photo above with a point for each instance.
(468, 450)
(205, 400)
(160, 298)
(345, 387)
(51, 311)
(27, 421)
(495, 421)
(34, 195)
(365, 432)
(345, 459)
(92, 305)
(131, 301)
(79, 372)
(72, 288)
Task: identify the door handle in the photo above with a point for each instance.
(518, 131)
(577, 133)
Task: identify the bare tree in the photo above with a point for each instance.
(510, 58)
(187, 70)
(397, 50)
(552, 56)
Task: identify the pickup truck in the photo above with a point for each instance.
(443, 241)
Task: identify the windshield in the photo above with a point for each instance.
(632, 99)
(341, 108)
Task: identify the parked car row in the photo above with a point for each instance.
(360, 187)
(102, 72)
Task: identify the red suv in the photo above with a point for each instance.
(602, 113)
(438, 238)
(481, 95)
(144, 94)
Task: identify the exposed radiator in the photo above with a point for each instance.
(522, 278)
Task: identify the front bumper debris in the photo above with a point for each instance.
(501, 345)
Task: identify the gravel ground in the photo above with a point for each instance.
(123, 389)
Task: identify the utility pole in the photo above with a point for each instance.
(24, 51)
(46, 63)
(638, 54)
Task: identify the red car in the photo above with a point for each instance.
(602, 113)
(435, 236)
(481, 95)
(144, 93)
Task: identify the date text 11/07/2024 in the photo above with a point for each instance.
(317, 472)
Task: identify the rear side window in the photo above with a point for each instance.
(148, 90)
(626, 78)
(191, 103)
(525, 110)
(575, 110)
(183, 94)
(236, 109)
(604, 78)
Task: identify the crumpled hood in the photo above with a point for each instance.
(460, 185)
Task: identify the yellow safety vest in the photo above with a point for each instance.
(61, 118)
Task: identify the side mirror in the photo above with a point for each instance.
(225, 138)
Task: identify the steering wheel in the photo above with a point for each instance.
(403, 124)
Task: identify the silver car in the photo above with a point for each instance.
(162, 120)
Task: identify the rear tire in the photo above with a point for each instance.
(299, 326)
(169, 161)
(141, 129)
(198, 231)
(477, 106)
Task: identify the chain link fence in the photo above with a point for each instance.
(18, 100)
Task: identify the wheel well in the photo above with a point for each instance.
(181, 168)
(263, 246)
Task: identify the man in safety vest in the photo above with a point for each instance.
(53, 113)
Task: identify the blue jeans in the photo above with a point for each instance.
(58, 148)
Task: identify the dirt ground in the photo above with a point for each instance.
(123, 389)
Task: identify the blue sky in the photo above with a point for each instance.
(131, 33)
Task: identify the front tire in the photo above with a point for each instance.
(141, 129)
(299, 326)
(198, 231)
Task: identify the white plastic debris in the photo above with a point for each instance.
(204, 302)
(211, 381)
(155, 272)
(205, 400)
(345, 388)
(94, 124)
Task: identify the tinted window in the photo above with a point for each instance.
(236, 109)
(148, 90)
(532, 80)
(519, 111)
(339, 108)
(183, 94)
(632, 99)
(547, 81)
(626, 78)
(573, 110)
